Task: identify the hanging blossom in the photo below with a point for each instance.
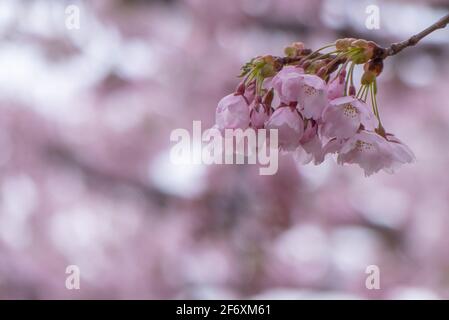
(312, 101)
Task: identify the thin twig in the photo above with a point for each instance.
(382, 53)
(395, 48)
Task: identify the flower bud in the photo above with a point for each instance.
(360, 57)
(298, 45)
(268, 70)
(343, 44)
(258, 61)
(322, 72)
(317, 65)
(351, 90)
(368, 77)
(240, 88)
(268, 99)
(267, 65)
(290, 52)
(294, 50)
(375, 66)
(232, 112)
(359, 43)
(269, 59)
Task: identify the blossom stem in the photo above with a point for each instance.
(361, 91)
(342, 67)
(322, 48)
(250, 77)
(373, 90)
(366, 93)
(349, 77)
(373, 105)
(358, 91)
(316, 52)
(352, 71)
(334, 60)
(326, 55)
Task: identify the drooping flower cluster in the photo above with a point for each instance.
(311, 100)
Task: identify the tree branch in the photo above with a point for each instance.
(395, 48)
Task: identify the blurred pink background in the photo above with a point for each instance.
(85, 176)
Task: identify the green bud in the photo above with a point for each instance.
(343, 44)
(360, 57)
(290, 52)
(368, 77)
(268, 70)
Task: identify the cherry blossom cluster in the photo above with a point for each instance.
(311, 100)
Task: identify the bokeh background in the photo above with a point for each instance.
(85, 176)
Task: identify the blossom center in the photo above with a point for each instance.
(363, 146)
(310, 91)
(350, 111)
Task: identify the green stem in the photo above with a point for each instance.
(374, 102)
(342, 67)
(251, 76)
(317, 51)
(373, 105)
(352, 52)
(352, 71)
(324, 55)
(335, 60)
(361, 91)
(366, 93)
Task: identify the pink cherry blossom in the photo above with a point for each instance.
(312, 97)
(331, 146)
(250, 92)
(290, 127)
(287, 83)
(336, 87)
(259, 114)
(343, 117)
(367, 149)
(310, 147)
(232, 113)
(370, 151)
(401, 153)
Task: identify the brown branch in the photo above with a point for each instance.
(395, 48)
(379, 52)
